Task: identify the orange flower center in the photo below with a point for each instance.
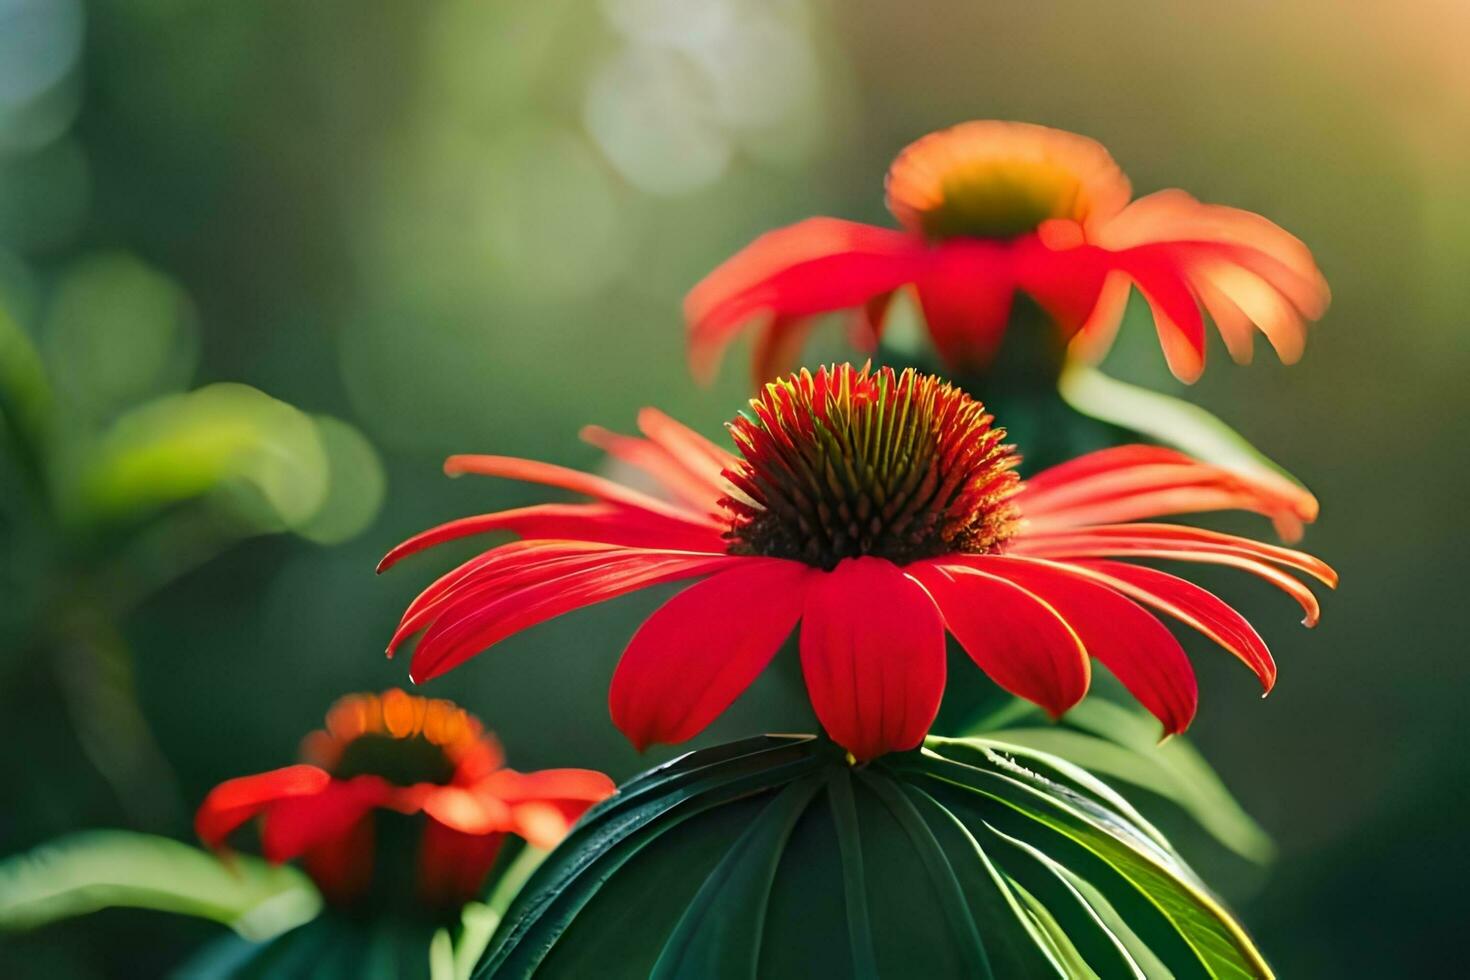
(402, 738)
(997, 180)
(849, 462)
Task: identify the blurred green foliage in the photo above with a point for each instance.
(466, 226)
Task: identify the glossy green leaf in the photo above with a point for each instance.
(772, 857)
(89, 871)
(1122, 743)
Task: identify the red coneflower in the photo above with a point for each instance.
(410, 755)
(988, 208)
(878, 510)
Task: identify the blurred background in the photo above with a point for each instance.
(262, 265)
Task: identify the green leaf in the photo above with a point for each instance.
(1162, 418)
(733, 898)
(101, 869)
(224, 437)
(773, 857)
(1121, 743)
(26, 400)
(356, 484)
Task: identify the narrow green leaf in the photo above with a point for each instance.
(1014, 947)
(1218, 941)
(719, 934)
(941, 875)
(854, 886)
(1058, 942)
(1049, 886)
(100, 869)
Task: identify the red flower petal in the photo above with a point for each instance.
(702, 648)
(872, 651)
(1126, 483)
(599, 522)
(549, 474)
(811, 267)
(299, 824)
(691, 487)
(1166, 541)
(453, 864)
(539, 823)
(1022, 643)
(966, 292)
(684, 444)
(235, 801)
(1125, 638)
(1192, 606)
(467, 811)
(342, 866)
(470, 624)
(574, 785)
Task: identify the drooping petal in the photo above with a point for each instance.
(1191, 605)
(470, 624)
(1176, 313)
(872, 652)
(703, 648)
(298, 824)
(1241, 267)
(342, 865)
(234, 801)
(1013, 635)
(453, 864)
(814, 266)
(1094, 338)
(965, 292)
(1138, 649)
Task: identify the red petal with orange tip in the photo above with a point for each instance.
(814, 266)
(466, 811)
(1158, 540)
(1020, 641)
(1126, 483)
(233, 802)
(703, 648)
(1125, 638)
(872, 652)
(562, 785)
